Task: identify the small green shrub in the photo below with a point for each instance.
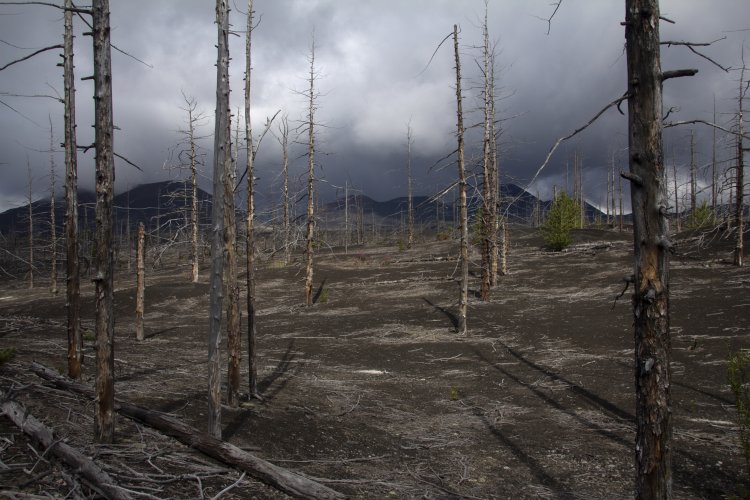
(443, 236)
(323, 299)
(561, 219)
(738, 371)
(701, 217)
(7, 354)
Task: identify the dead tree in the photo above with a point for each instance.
(140, 270)
(739, 249)
(250, 221)
(653, 450)
(487, 224)
(463, 298)
(52, 222)
(310, 181)
(72, 288)
(409, 192)
(693, 177)
(497, 251)
(234, 341)
(29, 200)
(221, 157)
(714, 172)
(104, 423)
(284, 141)
(676, 197)
(193, 118)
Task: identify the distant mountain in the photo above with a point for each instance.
(517, 204)
(166, 205)
(158, 203)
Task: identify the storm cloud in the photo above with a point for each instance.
(373, 77)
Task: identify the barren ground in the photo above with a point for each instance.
(373, 392)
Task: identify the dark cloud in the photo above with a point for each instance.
(371, 58)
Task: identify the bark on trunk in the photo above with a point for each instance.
(463, 298)
(194, 197)
(292, 483)
(104, 422)
(250, 223)
(221, 157)
(140, 269)
(486, 222)
(310, 183)
(52, 221)
(739, 249)
(72, 287)
(409, 193)
(234, 340)
(285, 187)
(653, 450)
(80, 463)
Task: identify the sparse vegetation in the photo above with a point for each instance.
(739, 372)
(561, 219)
(702, 216)
(7, 354)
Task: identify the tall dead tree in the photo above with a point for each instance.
(72, 286)
(714, 172)
(310, 181)
(104, 422)
(676, 197)
(409, 192)
(739, 249)
(193, 118)
(653, 450)
(234, 342)
(29, 203)
(463, 298)
(221, 157)
(52, 221)
(140, 281)
(499, 251)
(250, 221)
(693, 177)
(284, 131)
(487, 224)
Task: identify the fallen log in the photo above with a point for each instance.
(81, 464)
(290, 482)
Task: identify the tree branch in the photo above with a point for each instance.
(79, 10)
(616, 102)
(45, 49)
(691, 45)
(704, 122)
(678, 73)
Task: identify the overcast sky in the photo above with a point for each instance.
(370, 59)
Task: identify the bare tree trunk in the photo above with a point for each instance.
(739, 249)
(499, 222)
(30, 199)
(140, 269)
(693, 178)
(463, 299)
(676, 198)
(486, 224)
(285, 187)
(72, 288)
(250, 241)
(714, 173)
(310, 182)
(409, 192)
(619, 188)
(653, 450)
(234, 341)
(104, 423)
(194, 194)
(52, 221)
(221, 157)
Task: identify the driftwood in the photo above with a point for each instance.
(292, 483)
(97, 478)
